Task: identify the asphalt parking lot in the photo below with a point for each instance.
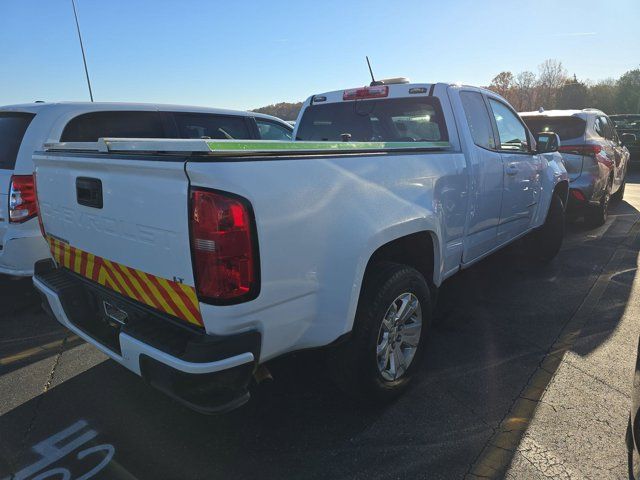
(528, 376)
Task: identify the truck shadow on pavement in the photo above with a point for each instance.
(27, 335)
(498, 321)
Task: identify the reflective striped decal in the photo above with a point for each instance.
(171, 297)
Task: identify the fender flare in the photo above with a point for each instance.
(429, 224)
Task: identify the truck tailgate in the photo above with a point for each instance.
(122, 223)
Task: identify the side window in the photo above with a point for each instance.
(273, 131)
(609, 133)
(89, 127)
(13, 126)
(513, 135)
(207, 125)
(599, 127)
(478, 119)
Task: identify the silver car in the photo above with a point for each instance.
(594, 156)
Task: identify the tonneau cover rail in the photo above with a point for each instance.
(238, 147)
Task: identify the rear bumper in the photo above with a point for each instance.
(209, 374)
(584, 191)
(18, 254)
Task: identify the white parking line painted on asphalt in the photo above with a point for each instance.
(52, 449)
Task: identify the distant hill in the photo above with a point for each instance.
(283, 110)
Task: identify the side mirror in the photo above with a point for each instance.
(627, 138)
(547, 142)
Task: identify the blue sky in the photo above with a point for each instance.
(246, 54)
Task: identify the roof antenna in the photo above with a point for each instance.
(374, 82)
(84, 59)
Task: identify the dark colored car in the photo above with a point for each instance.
(629, 124)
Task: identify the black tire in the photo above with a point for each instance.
(354, 364)
(544, 243)
(597, 216)
(617, 197)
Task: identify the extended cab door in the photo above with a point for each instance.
(486, 177)
(522, 169)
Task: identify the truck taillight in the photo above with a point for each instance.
(379, 91)
(35, 187)
(22, 199)
(223, 247)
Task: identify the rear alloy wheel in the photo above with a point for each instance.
(399, 336)
(383, 354)
(597, 216)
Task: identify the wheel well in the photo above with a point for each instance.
(562, 190)
(415, 250)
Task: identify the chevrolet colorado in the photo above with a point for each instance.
(194, 262)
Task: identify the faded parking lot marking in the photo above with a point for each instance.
(52, 449)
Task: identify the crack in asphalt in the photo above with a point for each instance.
(45, 388)
(599, 380)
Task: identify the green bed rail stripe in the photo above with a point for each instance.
(275, 146)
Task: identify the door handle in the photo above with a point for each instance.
(512, 169)
(89, 192)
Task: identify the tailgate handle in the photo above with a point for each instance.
(89, 192)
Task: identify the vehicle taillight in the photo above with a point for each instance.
(35, 188)
(378, 91)
(593, 151)
(224, 255)
(588, 150)
(578, 195)
(22, 199)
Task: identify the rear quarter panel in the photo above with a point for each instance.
(318, 222)
(553, 172)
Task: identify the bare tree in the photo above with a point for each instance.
(524, 91)
(552, 76)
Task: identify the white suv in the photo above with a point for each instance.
(24, 129)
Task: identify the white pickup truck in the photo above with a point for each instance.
(194, 262)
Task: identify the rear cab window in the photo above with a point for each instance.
(567, 128)
(89, 127)
(386, 120)
(13, 126)
(220, 127)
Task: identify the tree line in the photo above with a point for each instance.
(283, 110)
(553, 88)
